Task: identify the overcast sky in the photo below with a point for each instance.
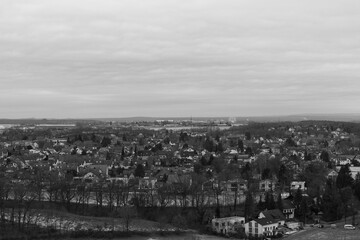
(118, 58)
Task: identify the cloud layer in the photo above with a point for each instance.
(112, 58)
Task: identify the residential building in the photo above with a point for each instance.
(275, 215)
(295, 185)
(227, 225)
(267, 185)
(261, 227)
(288, 209)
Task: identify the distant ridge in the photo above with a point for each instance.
(281, 118)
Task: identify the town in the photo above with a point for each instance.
(246, 180)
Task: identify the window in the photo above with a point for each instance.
(216, 224)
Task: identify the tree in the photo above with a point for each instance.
(67, 192)
(357, 187)
(269, 201)
(249, 151)
(331, 204)
(124, 138)
(128, 214)
(249, 206)
(248, 135)
(289, 142)
(261, 204)
(163, 195)
(346, 195)
(122, 153)
(139, 171)
(211, 159)
(325, 156)
(298, 198)
(246, 171)
(218, 164)
(219, 147)
(203, 161)
(344, 178)
(315, 177)
(197, 168)
(304, 209)
(266, 174)
(209, 145)
(241, 145)
(279, 203)
(106, 142)
(284, 176)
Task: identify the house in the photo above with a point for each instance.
(295, 185)
(288, 209)
(343, 162)
(267, 185)
(261, 227)
(147, 183)
(236, 185)
(354, 171)
(275, 215)
(266, 225)
(227, 225)
(332, 174)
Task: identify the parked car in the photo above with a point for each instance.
(349, 227)
(319, 225)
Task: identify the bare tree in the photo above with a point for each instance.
(110, 194)
(163, 195)
(67, 191)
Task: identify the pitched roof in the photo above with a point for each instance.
(287, 204)
(265, 221)
(274, 214)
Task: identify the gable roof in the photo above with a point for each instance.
(287, 204)
(274, 214)
(265, 221)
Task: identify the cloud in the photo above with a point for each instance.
(169, 57)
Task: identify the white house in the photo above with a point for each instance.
(261, 227)
(267, 185)
(227, 225)
(354, 171)
(295, 185)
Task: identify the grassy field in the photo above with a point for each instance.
(172, 237)
(68, 221)
(326, 233)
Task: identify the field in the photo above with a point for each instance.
(172, 237)
(71, 222)
(326, 233)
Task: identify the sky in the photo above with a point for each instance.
(176, 58)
